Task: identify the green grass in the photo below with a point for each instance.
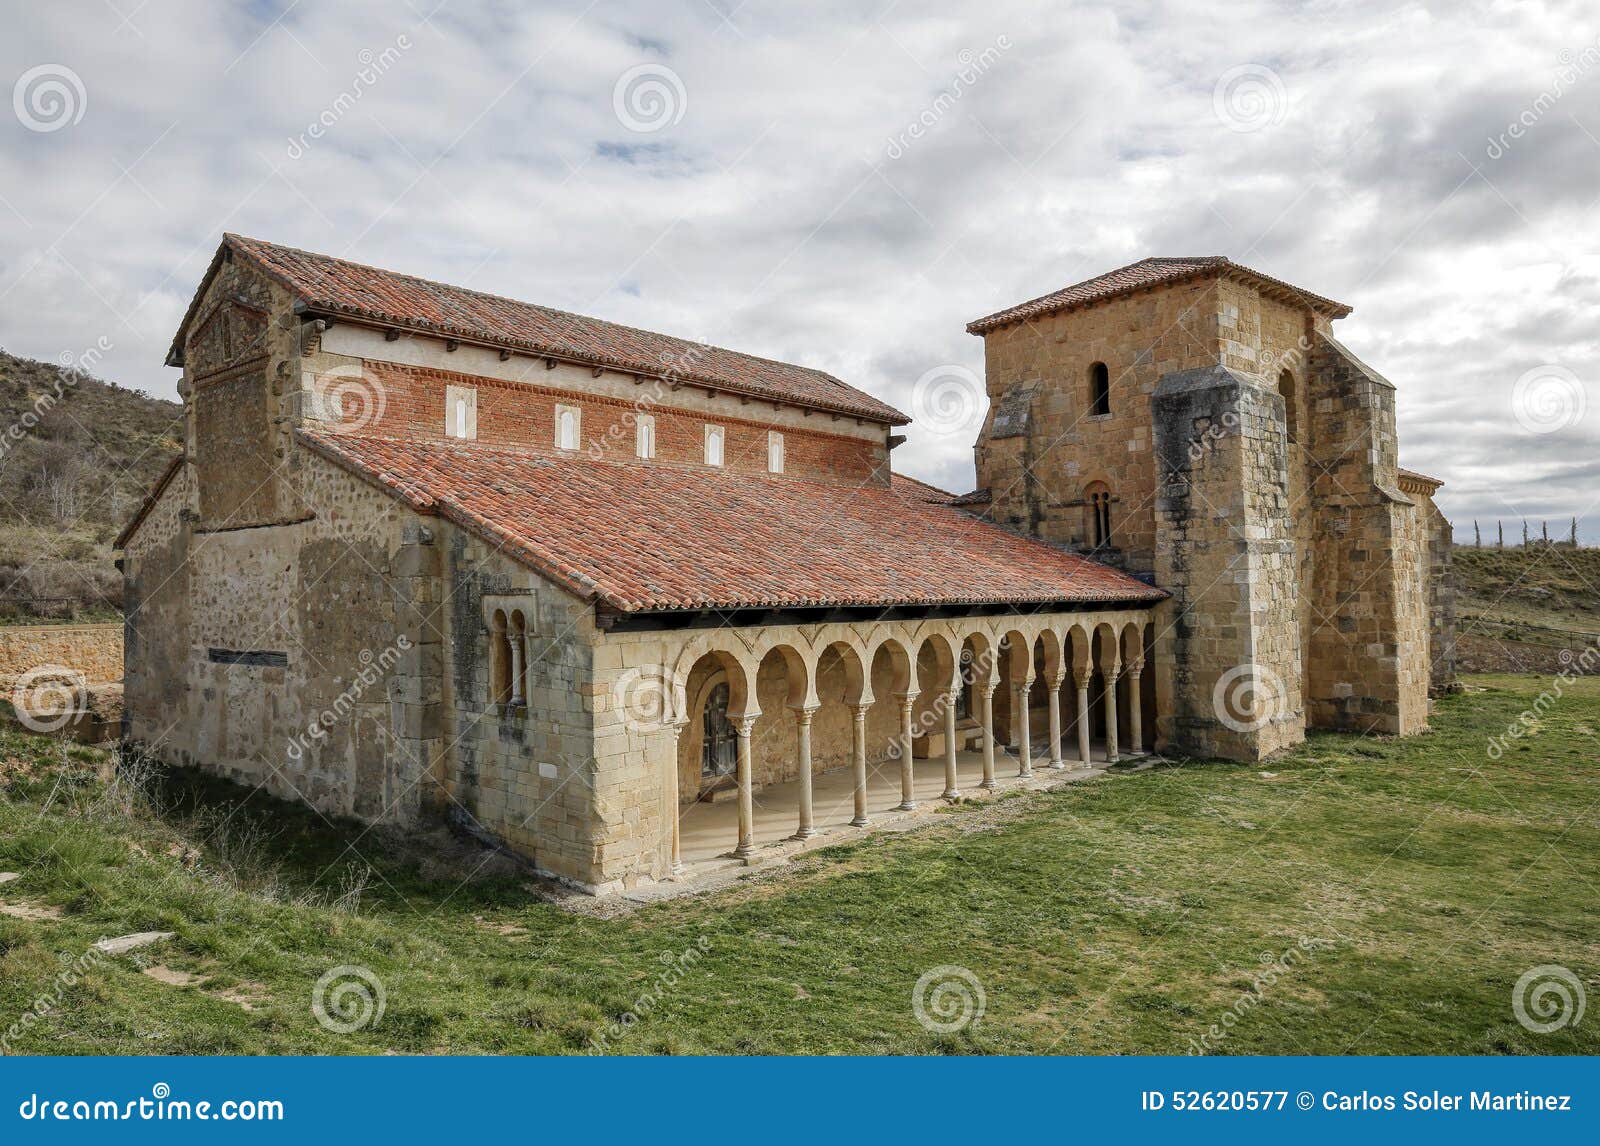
(1416, 881)
(1539, 594)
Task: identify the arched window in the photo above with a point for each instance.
(566, 428)
(645, 435)
(460, 412)
(1097, 508)
(1099, 390)
(713, 445)
(774, 452)
(1290, 412)
(499, 660)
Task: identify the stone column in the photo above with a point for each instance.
(674, 781)
(1112, 673)
(747, 809)
(1024, 733)
(952, 783)
(802, 721)
(1055, 725)
(986, 707)
(515, 640)
(1082, 679)
(1135, 709)
(858, 751)
(908, 791)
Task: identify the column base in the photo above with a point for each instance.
(860, 822)
(989, 785)
(906, 806)
(951, 794)
(1024, 773)
(1058, 765)
(744, 851)
(803, 833)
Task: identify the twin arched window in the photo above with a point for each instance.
(1099, 390)
(1097, 506)
(507, 644)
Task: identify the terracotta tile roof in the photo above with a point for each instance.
(647, 536)
(1420, 479)
(1140, 275)
(337, 287)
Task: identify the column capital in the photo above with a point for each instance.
(743, 724)
(1082, 677)
(858, 711)
(804, 712)
(1134, 668)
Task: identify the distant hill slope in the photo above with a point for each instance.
(1516, 608)
(77, 454)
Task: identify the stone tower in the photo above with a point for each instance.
(1196, 423)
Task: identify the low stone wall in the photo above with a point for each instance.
(93, 650)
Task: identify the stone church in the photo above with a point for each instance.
(630, 606)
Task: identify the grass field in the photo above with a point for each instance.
(1357, 895)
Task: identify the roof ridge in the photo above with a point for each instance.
(493, 297)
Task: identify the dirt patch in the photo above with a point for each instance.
(161, 973)
(29, 911)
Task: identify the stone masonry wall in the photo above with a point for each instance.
(1231, 654)
(1038, 468)
(93, 650)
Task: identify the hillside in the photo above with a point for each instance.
(1517, 608)
(77, 454)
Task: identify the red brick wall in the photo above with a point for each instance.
(523, 415)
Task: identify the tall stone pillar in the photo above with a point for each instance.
(858, 761)
(986, 710)
(1055, 725)
(908, 791)
(747, 813)
(1024, 733)
(1081, 679)
(952, 781)
(1135, 709)
(802, 721)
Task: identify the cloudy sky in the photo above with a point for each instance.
(846, 185)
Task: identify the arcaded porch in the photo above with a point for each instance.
(710, 830)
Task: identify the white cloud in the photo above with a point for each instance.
(771, 216)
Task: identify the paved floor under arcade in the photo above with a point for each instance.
(710, 830)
